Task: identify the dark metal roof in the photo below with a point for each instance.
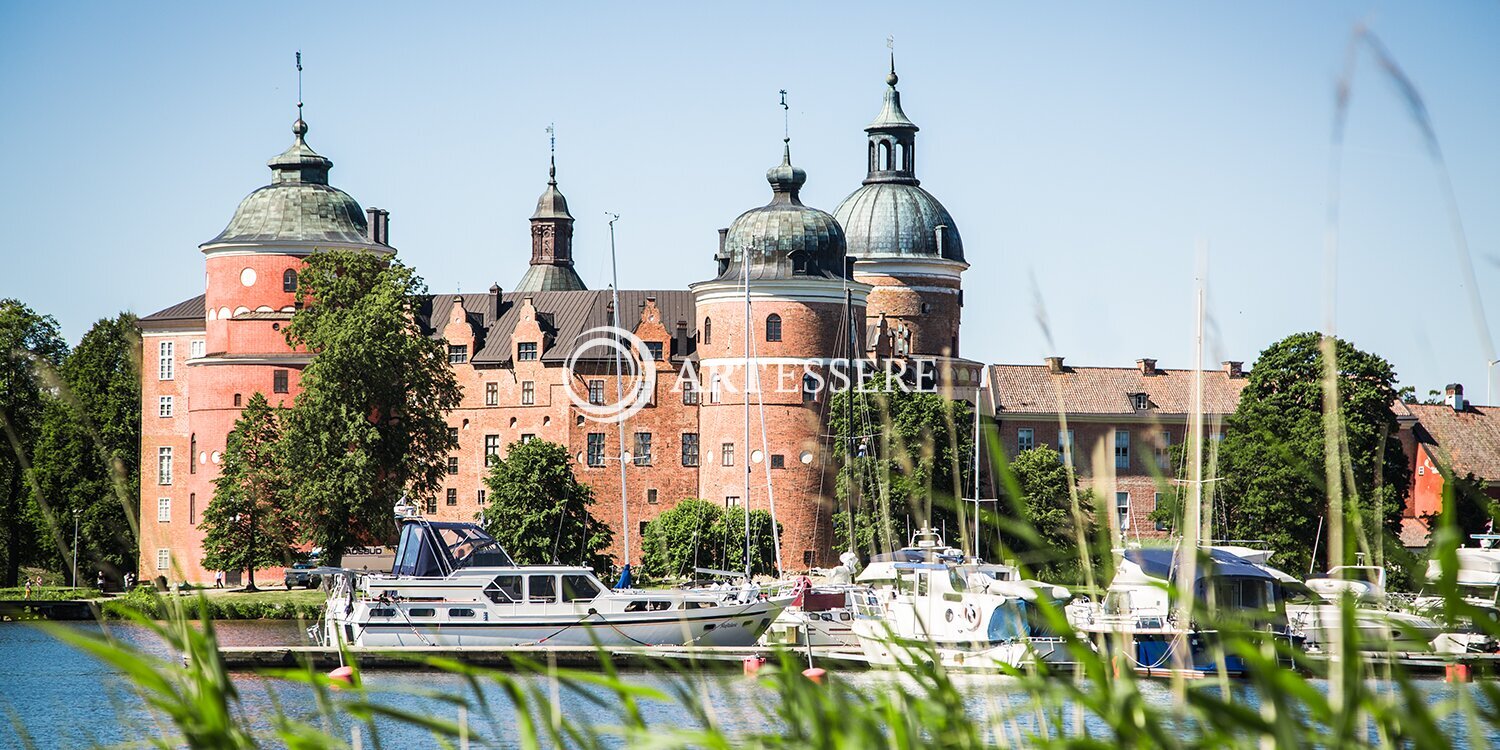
(1163, 563)
(893, 218)
(299, 205)
(564, 315)
(548, 277)
(784, 238)
(188, 309)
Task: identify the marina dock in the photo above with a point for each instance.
(408, 657)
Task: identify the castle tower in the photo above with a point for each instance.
(210, 367)
(793, 260)
(906, 245)
(551, 244)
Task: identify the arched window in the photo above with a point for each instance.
(872, 156)
(773, 327)
(289, 281)
(885, 155)
(193, 453)
(708, 330)
(900, 162)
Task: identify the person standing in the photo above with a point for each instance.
(28, 588)
(100, 581)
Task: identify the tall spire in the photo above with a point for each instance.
(551, 237)
(892, 136)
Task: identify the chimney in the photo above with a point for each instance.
(1148, 366)
(1453, 396)
(372, 225)
(385, 227)
(940, 230)
(680, 339)
(1234, 369)
(723, 235)
(848, 266)
(494, 302)
(1055, 365)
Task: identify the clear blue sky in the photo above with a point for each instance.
(1084, 149)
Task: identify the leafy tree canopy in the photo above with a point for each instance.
(87, 456)
(1272, 483)
(370, 423)
(539, 511)
(700, 534)
(31, 348)
(246, 526)
(913, 454)
(1041, 528)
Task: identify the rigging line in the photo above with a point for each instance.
(765, 449)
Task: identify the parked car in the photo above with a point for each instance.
(301, 575)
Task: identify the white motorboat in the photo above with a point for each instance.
(452, 585)
(822, 612)
(1478, 583)
(1138, 619)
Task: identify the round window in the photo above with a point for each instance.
(247, 277)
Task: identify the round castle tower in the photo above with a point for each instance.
(906, 245)
(793, 259)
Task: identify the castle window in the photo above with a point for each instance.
(773, 327)
(453, 437)
(654, 347)
(596, 392)
(164, 406)
(491, 449)
(491, 394)
(278, 381)
(643, 449)
(708, 330)
(193, 508)
(164, 363)
(778, 461)
(1025, 439)
(238, 399)
(811, 384)
(481, 499)
(596, 449)
(453, 464)
(196, 348)
(164, 465)
(726, 454)
(289, 281)
(689, 393)
(164, 510)
(163, 558)
(926, 308)
(689, 449)
(650, 500)
(528, 393)
(451, 497)
(458, 354)
(526, 351)
(192, 454)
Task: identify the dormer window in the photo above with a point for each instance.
(655, 348)
(1139, 401)
(526, 351)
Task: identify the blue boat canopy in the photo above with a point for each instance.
(1163, 563)
(432, 549)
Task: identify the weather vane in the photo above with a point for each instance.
(552, 136)
(786, 118)
(299, 84)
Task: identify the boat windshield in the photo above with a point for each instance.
(1297, 592)
(432, 549)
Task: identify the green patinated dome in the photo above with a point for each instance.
(784, 238)
(299, 206)
(884, 219)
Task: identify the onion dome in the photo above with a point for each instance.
(890, 215)
(299, 206)
(784, 238)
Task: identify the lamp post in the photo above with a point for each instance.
(75, 547)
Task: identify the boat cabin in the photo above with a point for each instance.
(436, 549)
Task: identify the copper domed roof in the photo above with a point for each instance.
(784, 238)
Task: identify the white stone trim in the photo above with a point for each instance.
(778, 290)
(290, 359)
(905, 265)
(173, 331)
(928, 289)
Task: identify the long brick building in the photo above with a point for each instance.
(892, 260)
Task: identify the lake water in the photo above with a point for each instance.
(64, 698)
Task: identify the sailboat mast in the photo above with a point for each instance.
(978, 397)
(745, 502)
(853, 489)
(614, 288)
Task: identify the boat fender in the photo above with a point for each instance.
(344, 675)
(752, 665)
(815, 675)
(593, 611)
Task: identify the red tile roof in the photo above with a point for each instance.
(1468, 440)
(1032, 389)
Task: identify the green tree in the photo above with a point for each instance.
(682, 538)
(1271, 461)
(1044, 533)
(696, 533)
(31, 348)
(246, 526)
(539, 511)
(371, 422)
(87, 458)
(911, 451)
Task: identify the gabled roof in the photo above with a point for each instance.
(1468, 440)
(564, 315)
(193, 310)
(1032, 389)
